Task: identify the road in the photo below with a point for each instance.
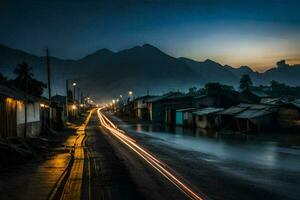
(104, 167)
(113, 159)
(99, 167)
(225, 166)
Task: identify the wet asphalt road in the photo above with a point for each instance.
(110, 171)
(225, 167)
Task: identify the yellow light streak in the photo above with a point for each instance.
(157, 164)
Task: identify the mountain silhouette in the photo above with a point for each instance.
(141, 68)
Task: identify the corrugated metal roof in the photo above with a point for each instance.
(249, 111)
(158, 98)
(260, 93)
(207, 111)
(10, 91)
(186, 109)
(250, 114)
(274, 101)
(256, 91)
(172, 95)
(200, 96)
(235, 109)
(296, 103)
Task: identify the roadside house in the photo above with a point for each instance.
(253, 95)
(184, 117)
(59, 109)
(219, 100)
(12, 113)
(207, 118)
(249, 117)
(289, 115)
(163, 108)
(140, 107)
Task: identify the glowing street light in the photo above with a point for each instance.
(130, 93)
(74, 85)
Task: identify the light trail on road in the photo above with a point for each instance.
(158, 165)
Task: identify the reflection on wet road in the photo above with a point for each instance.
(240, 166)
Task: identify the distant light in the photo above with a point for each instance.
(121, 96)
(81, 105)
(114, 101)
(74, 107)
(117, 100)
(42, 105)
(130, 93)
(74, 84)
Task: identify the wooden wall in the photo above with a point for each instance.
(8, 116)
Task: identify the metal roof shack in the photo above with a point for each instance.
(274, 101)
(289, 115)
(296, 103)
(207, 118)
(207, 111)
(246, 117)
(186, 110)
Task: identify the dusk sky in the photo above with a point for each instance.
(253, 33)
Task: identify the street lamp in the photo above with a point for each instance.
(74, 85)
(130, 93)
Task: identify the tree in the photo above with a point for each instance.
(25, 81)
(245, 82)
(217, 88)
(192, 90)
(213, 88)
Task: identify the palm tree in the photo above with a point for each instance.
(23, 72)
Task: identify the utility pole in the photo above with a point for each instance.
(26, 102)
(49, 87)
(67, 99)
(78, 95)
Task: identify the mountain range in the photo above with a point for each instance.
(105, 74)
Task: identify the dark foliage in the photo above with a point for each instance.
(211, 88)
(282, 90)
(25, 77)
(245, 81)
